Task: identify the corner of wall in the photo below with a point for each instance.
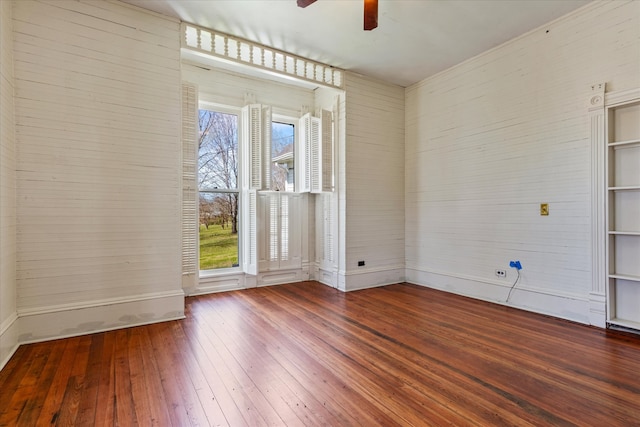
(8, 338)
(8, 287)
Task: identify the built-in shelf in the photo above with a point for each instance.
(625, 277)
(629, 143)
(622, 180)
(625, 188)
(625, 323)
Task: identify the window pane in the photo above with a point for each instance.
(218, 230)
(217, 150)
(282, 164)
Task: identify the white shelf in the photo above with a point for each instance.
(625, 323)
(631, 142)
(625, 188)
(622, 206)
(625, 277)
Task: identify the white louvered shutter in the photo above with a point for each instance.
(274, 229)
(328, 228)
(326, 140)
(290, 230)
(303, 154)
(250, 232)
(252, 133)
(189, 185)
(284, 229)
(265, 118)
(263, 221)
(256, 119)
(280, 228)
(314, 158)
(256, 137)
(322, 153)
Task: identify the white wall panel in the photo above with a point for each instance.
(8, 308)
(374, 182)
(97, 124)
(490, 139)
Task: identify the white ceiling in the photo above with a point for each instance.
(414, 39)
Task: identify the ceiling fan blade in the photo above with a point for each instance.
(305, 3)
(370, 14)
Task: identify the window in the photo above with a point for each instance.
(241, 202)
(218, 192)
(282, 156)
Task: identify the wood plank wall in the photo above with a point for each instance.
(8, 309)
(97, 122)
(489, 140)
(374, 182)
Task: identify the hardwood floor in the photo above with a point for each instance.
(306, 354)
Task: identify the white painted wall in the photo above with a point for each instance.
(8, 308)
(97, 123)
(490, 139)
(372, 207)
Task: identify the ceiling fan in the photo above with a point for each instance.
(370, 12)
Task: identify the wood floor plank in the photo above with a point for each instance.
(308, 355)
(414, 378)
(344, 357)
(274, 377)
(89, 398)
(226, 391)
(184, 404)
(148, 396)
(308, 373)
(238, 382)
(37, 381)
(411, 377)
(336, 389)
(201, 400)
(259, 369)
(124, 408)
(106, 394)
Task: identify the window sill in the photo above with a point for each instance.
(221, 272)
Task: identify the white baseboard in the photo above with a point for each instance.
(598, 309)
(280, 277)
(46, 323)
(236, 281)
(220, 283)
(355, 280)
(8, 338)
(564, 306)
(326, 276)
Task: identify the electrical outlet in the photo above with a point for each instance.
(501, 273)
(360, 263)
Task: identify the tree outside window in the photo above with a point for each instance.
(218, 189)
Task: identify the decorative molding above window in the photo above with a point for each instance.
(242, 51)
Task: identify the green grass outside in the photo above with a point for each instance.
(218, 247)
